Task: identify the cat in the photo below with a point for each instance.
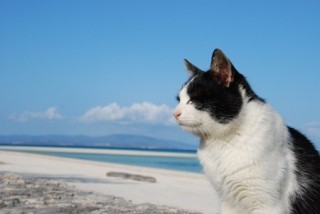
(256, 163)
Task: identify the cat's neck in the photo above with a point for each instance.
(256, 119)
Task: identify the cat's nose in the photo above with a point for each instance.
(177, 114)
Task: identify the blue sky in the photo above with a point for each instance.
(104, 67)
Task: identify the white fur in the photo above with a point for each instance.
(249, 161)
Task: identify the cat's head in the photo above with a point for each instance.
(210, 101)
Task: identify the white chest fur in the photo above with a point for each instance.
(251, 167)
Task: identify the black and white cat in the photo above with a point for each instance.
(256, 163)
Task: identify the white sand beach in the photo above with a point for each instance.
(189, 191)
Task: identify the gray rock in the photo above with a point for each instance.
(132, 177)
(29, 195)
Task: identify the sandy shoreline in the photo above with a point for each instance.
(188, 191)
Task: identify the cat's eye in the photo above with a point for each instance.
(178, 98)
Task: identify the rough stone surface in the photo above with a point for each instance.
(29, 195)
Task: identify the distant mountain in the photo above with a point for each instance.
(109, 141)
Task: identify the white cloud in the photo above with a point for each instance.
(145, 112)
(314, 129)
(50, 114)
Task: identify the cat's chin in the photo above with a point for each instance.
(189, 127)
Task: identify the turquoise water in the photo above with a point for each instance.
(187, 164)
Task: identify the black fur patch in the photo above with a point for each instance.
(223, 103)
(308, 175)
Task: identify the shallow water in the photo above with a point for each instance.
(174, 161)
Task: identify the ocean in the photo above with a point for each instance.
(177, 160)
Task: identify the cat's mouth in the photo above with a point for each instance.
(187, 125)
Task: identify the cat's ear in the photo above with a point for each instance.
(221, 68)
(192, 70)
